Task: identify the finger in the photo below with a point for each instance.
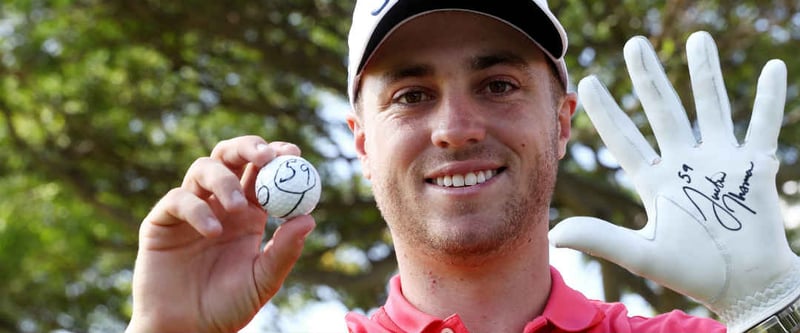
(236, 153)
(710, 96)
(251, 172)
(248, 183)
(280, 255)
(207, 176)
(661, 103)
(602, 239)
(765, 123)
(618, 132)
(182, 206)
(285, 148)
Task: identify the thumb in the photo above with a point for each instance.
(602, 239)
(280, 254)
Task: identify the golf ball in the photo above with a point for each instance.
(288, 186)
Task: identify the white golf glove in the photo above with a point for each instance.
(715, 230)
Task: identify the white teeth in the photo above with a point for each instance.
(469, 179)
(458, 180)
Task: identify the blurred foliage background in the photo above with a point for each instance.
(105, 104)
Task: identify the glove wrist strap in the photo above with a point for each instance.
(785, 321)
(769, 303)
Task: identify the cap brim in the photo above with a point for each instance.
(524, 15)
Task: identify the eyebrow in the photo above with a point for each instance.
(482, 62)
(476, 63)
(414, 70)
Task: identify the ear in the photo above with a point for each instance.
(565, 111)
(354, 121)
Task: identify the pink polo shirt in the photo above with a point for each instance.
(567, 310)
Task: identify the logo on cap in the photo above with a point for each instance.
(380, 9)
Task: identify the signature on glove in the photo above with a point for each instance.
(722, 204)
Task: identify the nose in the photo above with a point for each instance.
(458, 123)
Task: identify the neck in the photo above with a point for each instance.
(500, 293)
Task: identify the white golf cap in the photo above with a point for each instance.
(374, 20)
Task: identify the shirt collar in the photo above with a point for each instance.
(402, 313)
(566, 308)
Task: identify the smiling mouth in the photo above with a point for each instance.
(467, 179)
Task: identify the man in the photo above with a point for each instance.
(460, 115)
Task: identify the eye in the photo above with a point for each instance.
(412, 97)
(499, 87)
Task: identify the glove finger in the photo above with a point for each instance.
(765, 123)
(711, 98)
(602, 239)
(618, 132)
(661, 103)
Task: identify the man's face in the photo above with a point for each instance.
(460, 135)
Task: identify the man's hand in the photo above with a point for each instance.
(714, 231)
(199, 266)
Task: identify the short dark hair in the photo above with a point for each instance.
(556, 83)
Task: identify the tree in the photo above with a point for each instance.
(103, 106)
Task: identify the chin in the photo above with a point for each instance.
(474, 237)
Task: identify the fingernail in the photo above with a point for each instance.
(307, 233)
(213, 226)
(238, 199)
(310, 231)
(265, 154)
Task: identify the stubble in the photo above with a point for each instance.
(521, 212)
